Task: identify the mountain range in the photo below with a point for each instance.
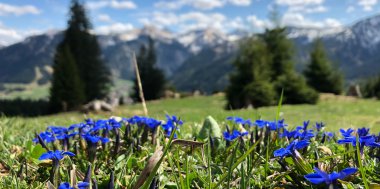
(200, 59)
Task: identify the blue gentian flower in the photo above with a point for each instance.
(290, 149)
(56, 155)
(172, 122)
(235, 134)
(81, 185)
(46, 137)
(94, 139)
(152, 123)
(288, 134)
(65, 185)
(319, 126)
(305, 135)
(322, 177)
(236, 120)
(363, 141)
(329, 135)
(114, 124)
(346, 133)
(363, 131)
(272, 125)
(261, 123)
(149, 122)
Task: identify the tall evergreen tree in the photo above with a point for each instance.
(67, 91)
(283, 74)
(152, 78)
(250, 84)
(320, 74)
(86, 53)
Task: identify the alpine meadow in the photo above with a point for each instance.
(184, 94)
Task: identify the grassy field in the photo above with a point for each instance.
(335, 112)
(227, 163)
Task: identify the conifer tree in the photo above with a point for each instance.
(320, 75)
(152, 78)
(283, 74)
(67, 91)
(250, 84)
(87, 54)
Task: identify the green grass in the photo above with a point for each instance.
(34, 91)
(249, 162)
(335, 113)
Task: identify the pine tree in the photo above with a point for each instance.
(67, 91)
(86, 53)
(152, 78)
(320, 74)
(250, 84)
(283, 75)
(371, 88)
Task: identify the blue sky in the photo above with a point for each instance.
(22, 18)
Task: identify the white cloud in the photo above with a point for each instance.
(350, 9)
(126, 4)
(367, 4)
(257, 24)
(104, 18)
(199, 20)
(9, 35)
(193, 21)
(199, 4)
(240, 2)
(303, 6)
(299, 2)
(6, 9)
(114, 28)
(237, 23)
(298, 20)
(308, 9)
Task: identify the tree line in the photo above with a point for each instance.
(81, 76)
(265, 69)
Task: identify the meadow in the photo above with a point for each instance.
(251, 156)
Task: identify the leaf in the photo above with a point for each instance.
(325, 150)
(38, 150)
(210, 127)
(187, 143)
(153, 160)
(374, 186)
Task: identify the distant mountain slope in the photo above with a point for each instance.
(198, 59)
(18, 61)
(206, 71)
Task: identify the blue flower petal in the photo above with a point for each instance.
(314, 178)
(47, 155)
(347, 172)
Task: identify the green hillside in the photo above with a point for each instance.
(335, 112)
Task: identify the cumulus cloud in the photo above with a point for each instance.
(367, 4)
(104, 18)
(350, 9)
(308, 9)
(240, 2)
(257, 23)
(298, 20)
(193, 21)
(299, 2)
(9, 35)
(114, 28)
(303, 6)
(6, 9)
(112, 4)
(200, 4)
